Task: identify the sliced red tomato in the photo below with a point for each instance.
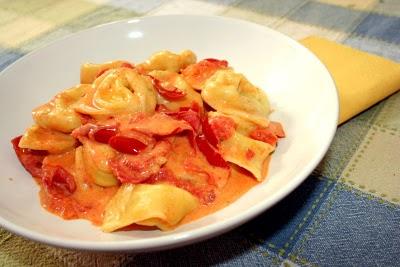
(190, 117)
(138, 168)
(209, 133)
(103, 135)
(58, 181)
(194, 106)
(197, 74)
(127, 65)
(213, 157)
(222, 127)
(217, 62)
(276, 128)
(170, 93)
(126, 145)
(32, 160)
(264, 135)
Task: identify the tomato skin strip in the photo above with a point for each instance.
(126, 145)
(209, 133)
(172, 93)
(103, 135)
(30, 159)
(212, 155)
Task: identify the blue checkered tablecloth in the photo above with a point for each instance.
(346, 213)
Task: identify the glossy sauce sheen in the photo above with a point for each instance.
(238, 184)
(88, 201)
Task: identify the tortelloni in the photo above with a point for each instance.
(174, 79)
(165, 60)
(248, 153)
(90, 71)
(119, 91)
(231, 93)
(38, 138)
(158, 205)
(96, 158)
(59, 114)
(155, 144)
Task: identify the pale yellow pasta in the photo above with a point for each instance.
(96, 158)
(158, 205)
(231, 93)
(59, 113)
(119, 91)
(243, 126)
(39, 138)
(176, 80)
(248, 153)
(166, 60)
(89, 71)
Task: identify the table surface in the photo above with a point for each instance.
(346, 213)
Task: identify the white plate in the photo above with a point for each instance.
(300, 89)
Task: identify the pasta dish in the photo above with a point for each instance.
(150, 145)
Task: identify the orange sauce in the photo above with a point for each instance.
(237, 184)
(89, 200)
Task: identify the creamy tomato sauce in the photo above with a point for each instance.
(160, 143)
(88, 201)
(238, 183)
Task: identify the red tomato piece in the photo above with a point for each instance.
(101, 72)
(212, 156)
(190, 117)
(138, 168)
(103, 135)
(194, 106)
(126, 145)
(127, 65)
(170, 93)
(217, 62)
(197, 74)
(223, 127)
(276, 128)
(58, 181)
(32, 160)
(264, 135)
(249, 154)
(209, 133)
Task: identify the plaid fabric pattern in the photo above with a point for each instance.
(346, 213)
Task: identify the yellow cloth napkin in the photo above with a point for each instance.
(361, 79)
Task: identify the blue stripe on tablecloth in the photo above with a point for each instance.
(8, 56)
(280, 226)
(231, 249)
(381, 27)
(352, 229)
(374, 46)
(327, 16)
(346, 141)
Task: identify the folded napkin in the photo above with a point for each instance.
(361, 79)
